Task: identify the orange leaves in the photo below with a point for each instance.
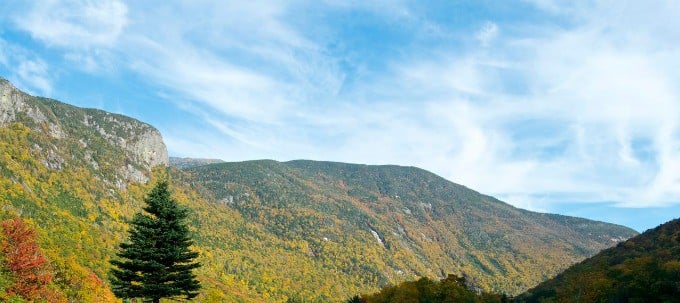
(25, 261)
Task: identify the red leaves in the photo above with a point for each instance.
(24, 259)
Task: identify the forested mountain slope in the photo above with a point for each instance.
(645, 268)
(389, 223)
(266, 231)
(78, 175)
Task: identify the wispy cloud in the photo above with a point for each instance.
(29, 71)
(72, 24)
(35, 74)
(272, 72)
(580, 103)
(592, 117)
(487, 33)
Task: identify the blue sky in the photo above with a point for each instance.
(554, 106)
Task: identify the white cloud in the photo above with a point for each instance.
(26, 70)
(94, 61)
(34, 74)
(595, 91)
(583, 110)
(74, 24)
(273, 72)
(487, 33)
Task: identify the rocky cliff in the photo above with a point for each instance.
(141, 143)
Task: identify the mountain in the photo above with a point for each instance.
(266, 231)
(191, 162)
(137, 145)
(75, 175)
(645, 268)
(390, 223)
(78, 176)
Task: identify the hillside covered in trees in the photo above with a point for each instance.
(265, 231)
(424, 290)
(403, 221)
(645, 268)
(642, 269)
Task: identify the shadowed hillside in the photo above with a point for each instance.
(645, 268)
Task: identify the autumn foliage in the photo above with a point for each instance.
(23, 258)
(450, 289)
(645, 268)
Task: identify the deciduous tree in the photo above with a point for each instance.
(29, 269)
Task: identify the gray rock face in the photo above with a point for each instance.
(149, 148)
(143, 144)
(14, 101)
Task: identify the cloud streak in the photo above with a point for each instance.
(580, 109)
(73, 24)
(28, 70)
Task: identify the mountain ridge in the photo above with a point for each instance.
(186, 162)
(404, 209)
(267, 231)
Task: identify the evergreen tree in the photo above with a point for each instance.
(156, 262)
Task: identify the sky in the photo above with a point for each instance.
(569, 107)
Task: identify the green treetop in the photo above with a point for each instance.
(156, 262)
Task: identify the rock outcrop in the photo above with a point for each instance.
(13, 102)
(142, 144)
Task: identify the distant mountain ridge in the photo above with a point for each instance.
(267, 231)
(420, 223)
(191, 162)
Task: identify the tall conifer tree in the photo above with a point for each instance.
(157, 262)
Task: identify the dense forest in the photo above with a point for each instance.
(408, 222)
(645, 268)
(424, 290)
